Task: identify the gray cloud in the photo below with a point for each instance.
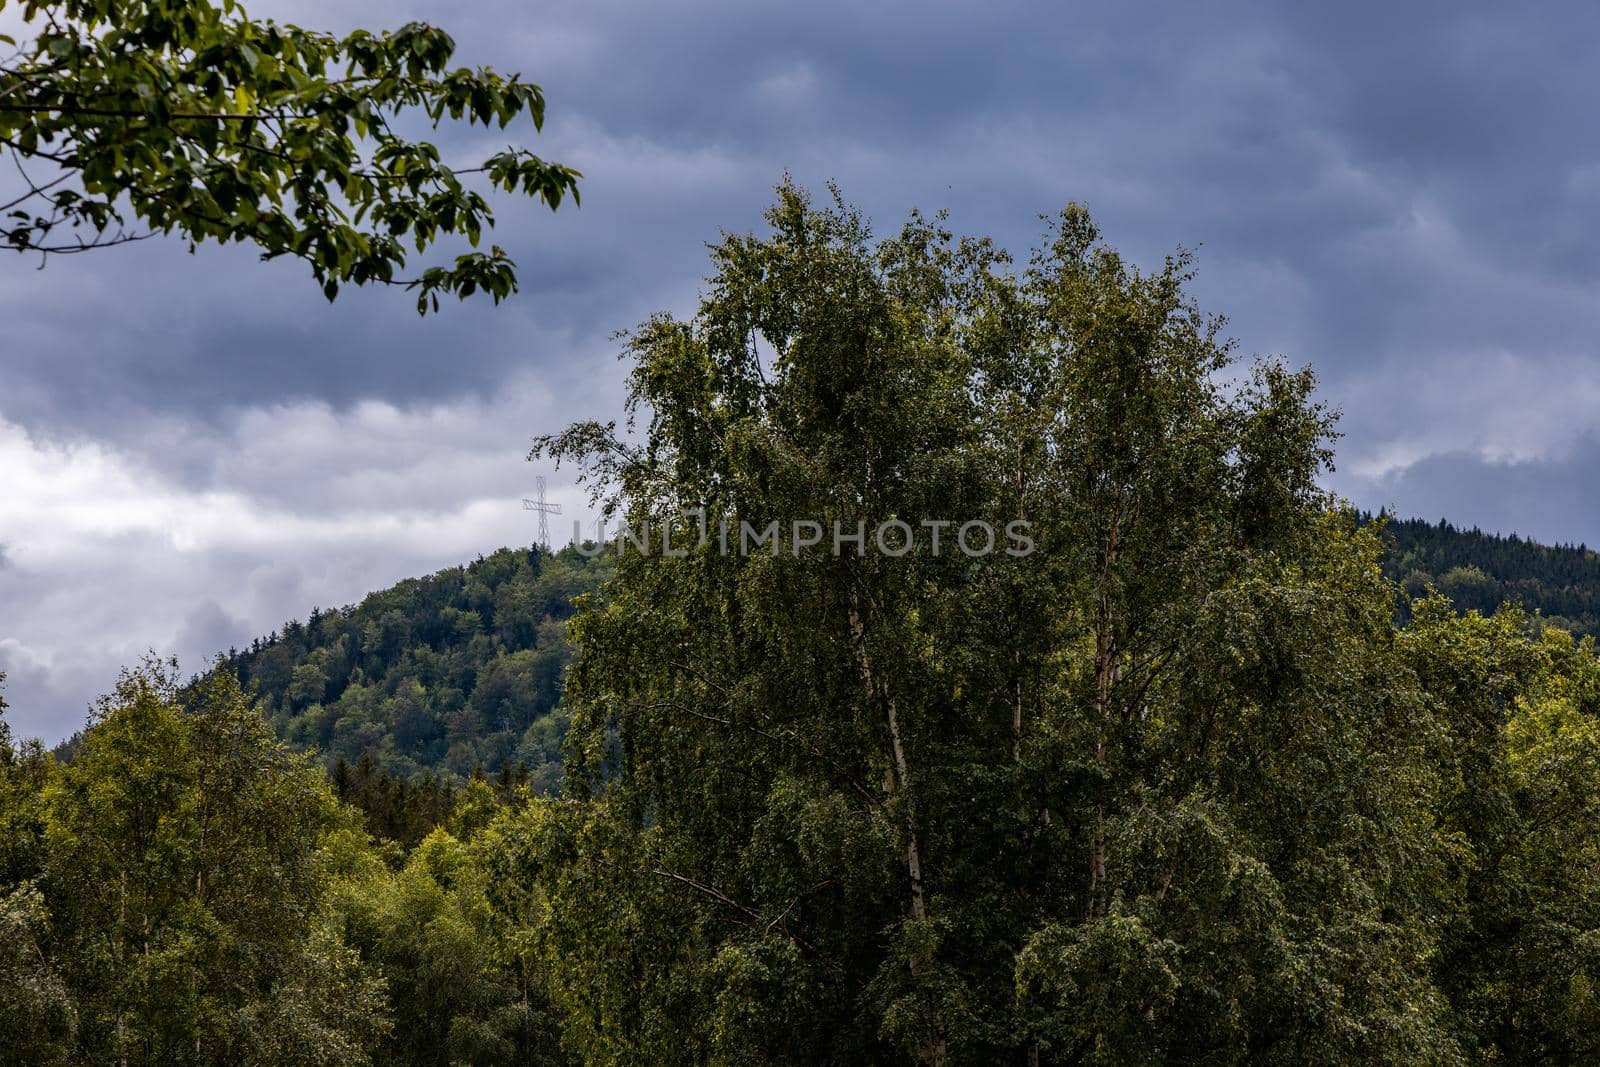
(209, 629)
(197, 447)
(1563, 493)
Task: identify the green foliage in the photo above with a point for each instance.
(39, 1020)
(24, 770)
(457, 989)
(1521, 955)
(198, 121)
(327, 1008)
(1157, 792)
(1178, 787)
(426, 683)
(177, 911)
(190, 897)
(396, 809)
(1479, 571)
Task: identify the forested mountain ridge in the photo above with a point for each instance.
(452, 673)
(1481, 571)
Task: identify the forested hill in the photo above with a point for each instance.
(461, 670)
(1482, 571)
(453, 672)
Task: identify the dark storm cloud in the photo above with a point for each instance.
(1309, 141)
(1404, 196)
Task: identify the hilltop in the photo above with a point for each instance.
(1480, 571)
(451, 673)
(460, 671)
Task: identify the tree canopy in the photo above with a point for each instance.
(441, 675)
(1166, 790)
(1179, 786)
(1482, 571)
(129, 118)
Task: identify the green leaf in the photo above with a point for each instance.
(192, 70)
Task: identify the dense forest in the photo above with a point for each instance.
(425, 685)
(1177, 787)
(1480, 571)
(460, 673)
(456, 673)
(456, 676)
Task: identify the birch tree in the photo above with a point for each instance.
(1120, 799)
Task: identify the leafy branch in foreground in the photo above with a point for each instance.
(199, 121)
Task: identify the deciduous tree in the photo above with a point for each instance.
(1150, 793)
(129, 118)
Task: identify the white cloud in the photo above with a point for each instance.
(1499, 406)
(109, 556)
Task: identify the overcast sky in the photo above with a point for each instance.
(194, 448)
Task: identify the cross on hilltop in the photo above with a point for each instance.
(544, 509)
